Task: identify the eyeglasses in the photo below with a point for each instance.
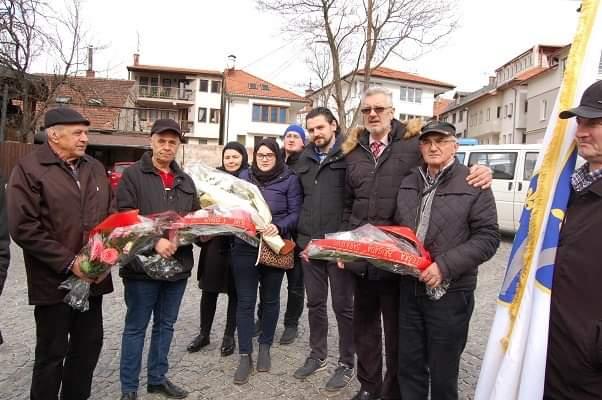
(436, 142)
(377, 110)
(267, 156)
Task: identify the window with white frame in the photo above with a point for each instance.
(510, 109)
(214, 116)
(203, 85)
(269, 113)
(202, 114)
(543, 110)
(410, 94)
(216, 86)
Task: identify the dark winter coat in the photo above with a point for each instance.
(213, 272)
(463, 230)
(284, 196)
(323, 192)
(50, 217)
(371, 185)
(141, 188)
(4, 237)
(574, 364)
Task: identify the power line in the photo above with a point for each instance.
(272, 52)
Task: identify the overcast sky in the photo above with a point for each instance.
(201, 34)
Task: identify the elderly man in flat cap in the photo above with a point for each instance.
(56, 195)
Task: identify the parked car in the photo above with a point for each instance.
(512, 166)
(115, 172)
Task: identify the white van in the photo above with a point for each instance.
(512, 166)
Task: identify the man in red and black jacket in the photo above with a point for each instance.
(154, 184)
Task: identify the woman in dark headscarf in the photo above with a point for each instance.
(282, 191)
(214, 268)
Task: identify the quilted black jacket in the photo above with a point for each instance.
(463, 230)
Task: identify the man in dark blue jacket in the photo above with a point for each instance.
(154, 184)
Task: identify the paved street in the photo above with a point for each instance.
(205, 374)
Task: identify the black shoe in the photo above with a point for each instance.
(129, 396)
(244, 370)
(198, 343)
(365, 395)
(168, 389)
(264, 362)
(289, 335)
(257, 328)
(310, 367)
(228, 346)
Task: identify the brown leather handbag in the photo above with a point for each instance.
(269, 258)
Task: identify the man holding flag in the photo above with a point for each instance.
(574, 362)
(545, 341)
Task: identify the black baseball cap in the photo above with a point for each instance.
(441, 127)
(63, 116)
(590, 106)
(167, 125)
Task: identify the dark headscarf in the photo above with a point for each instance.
(266, 176)
(243, 152)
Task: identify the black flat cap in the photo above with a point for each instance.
(168, 125)
(63, 116)
(590, 106)
(441, 127)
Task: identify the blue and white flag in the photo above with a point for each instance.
(515, 359)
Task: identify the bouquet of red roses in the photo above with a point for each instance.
(115, 241)
(210, 221)
(391, 248)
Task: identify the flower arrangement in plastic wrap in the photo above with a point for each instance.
(224, 190)
(113, 242)
(391, 248)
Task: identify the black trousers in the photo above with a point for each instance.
(316, 275)
(68, 344)
(208, 306)
(432, 337)
(373, 300)
(296, 295)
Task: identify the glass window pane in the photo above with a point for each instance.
(418, 96)
(460, 157)
(203, 85)
(202, 114)
(283, 115)
(215, 86)
(530, 160)
(265, 113)
(256, 112)
(403, 93)
(273, 114)
(502, 164)
(411, 94)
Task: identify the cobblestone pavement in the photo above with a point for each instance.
(205, 374)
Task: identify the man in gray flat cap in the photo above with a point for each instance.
(56, 195)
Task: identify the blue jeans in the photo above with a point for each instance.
(247, 277)
(143, 298)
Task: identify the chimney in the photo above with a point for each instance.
(136, 59)
(231, 64)
(492, 81)
(90, 70)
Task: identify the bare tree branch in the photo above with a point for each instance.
(362, 32)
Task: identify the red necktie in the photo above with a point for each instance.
(375, 147)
